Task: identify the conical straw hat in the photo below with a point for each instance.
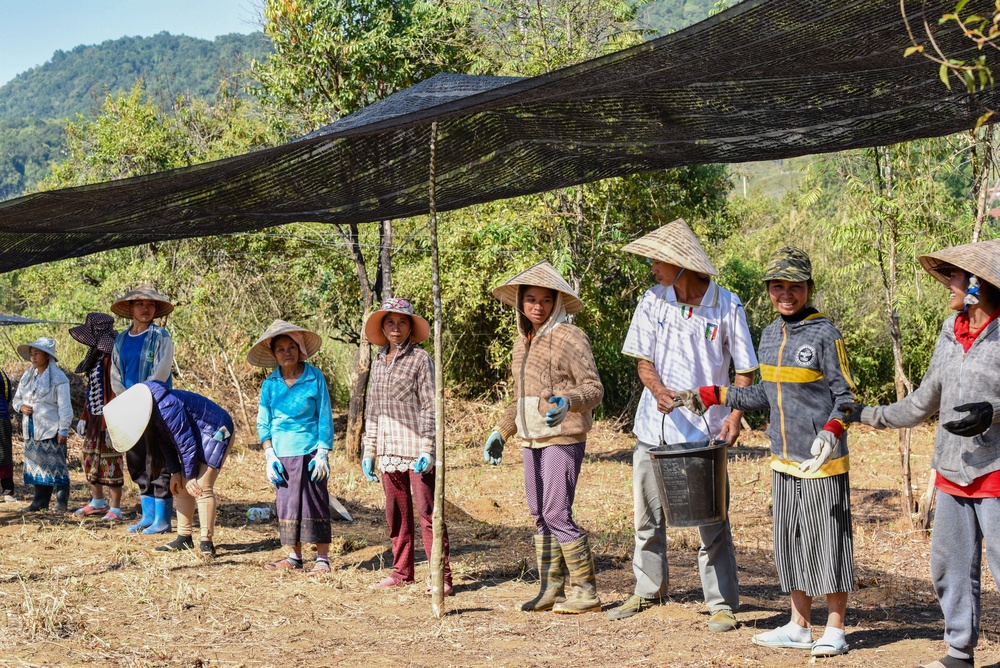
(675, 244)
(127, 416)
(981, 259)
(123, 306)
(543, 275)
(260, 354)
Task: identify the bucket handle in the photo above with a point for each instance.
(663, 420)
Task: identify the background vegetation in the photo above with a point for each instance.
(850, 210)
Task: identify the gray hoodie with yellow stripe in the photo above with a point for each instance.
(804, 376)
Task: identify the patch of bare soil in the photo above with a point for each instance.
(77, 591)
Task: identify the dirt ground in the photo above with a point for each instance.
(78, 591)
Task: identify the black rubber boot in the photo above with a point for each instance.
(62, 499)
(177, 544)
(43, 494)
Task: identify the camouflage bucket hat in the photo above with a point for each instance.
(788, 264)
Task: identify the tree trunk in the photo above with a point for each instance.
(363, 358)
(982, 171)
(437, 551)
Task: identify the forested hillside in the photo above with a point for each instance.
(666, 16)
(36, 103)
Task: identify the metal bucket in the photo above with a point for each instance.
(692, 482)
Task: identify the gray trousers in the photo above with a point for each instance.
(716, 557)
(960, 525)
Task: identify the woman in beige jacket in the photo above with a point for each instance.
(556, 388)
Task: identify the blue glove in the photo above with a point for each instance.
(555, 416)
(319, 466)
(273, 468)
(493, 450)
(423, 463)
(368, 468)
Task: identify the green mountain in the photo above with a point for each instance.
(35, 104)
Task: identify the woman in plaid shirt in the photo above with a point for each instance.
(399, 433)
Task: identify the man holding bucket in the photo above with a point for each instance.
(686, 332)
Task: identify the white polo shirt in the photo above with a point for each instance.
(690, 346)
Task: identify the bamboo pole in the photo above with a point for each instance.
(437, 552)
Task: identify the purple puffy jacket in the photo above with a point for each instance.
(199, 429)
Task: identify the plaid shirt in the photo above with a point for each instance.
(399, 417)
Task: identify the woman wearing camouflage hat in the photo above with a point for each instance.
(804, 377)
(556, 389)
(962, 385)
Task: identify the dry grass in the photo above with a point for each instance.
(80, 592)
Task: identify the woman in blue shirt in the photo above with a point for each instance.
(295, 427)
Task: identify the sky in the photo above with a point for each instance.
(32, 30)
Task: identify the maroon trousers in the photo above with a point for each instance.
(399, 501)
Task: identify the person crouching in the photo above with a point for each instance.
(192, 436)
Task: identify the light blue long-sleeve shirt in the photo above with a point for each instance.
(298, 420)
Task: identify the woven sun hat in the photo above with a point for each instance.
(98, 329)
(788, 264)
(127, 416)
(543, 275)
(309, 343)
(123, 306)
(675, 244)
(45, 344)
(981, 259)
(419, 330)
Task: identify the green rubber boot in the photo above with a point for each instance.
(582, 579)
(551, 575)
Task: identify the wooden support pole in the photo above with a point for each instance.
(437, 552)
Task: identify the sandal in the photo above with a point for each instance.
(89, 510)
(320, 567)
(113, 515)
(388, 583)
(829, 648)
(283, 565)
(779, 638)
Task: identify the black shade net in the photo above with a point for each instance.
(766, 79)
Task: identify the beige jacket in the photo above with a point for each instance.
(558, 362)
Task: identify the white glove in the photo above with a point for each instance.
(822, 448)
(319, 467)
(81, 427)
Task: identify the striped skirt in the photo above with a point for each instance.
(303, 505)
(813, 535)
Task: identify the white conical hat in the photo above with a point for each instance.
(675, 244)
(981, 259)
(127, 416)
(260, 354)
(543, 275)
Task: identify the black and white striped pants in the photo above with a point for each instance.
(813, 535)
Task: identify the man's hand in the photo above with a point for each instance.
(27, 410)
(731, 427)
(665, 400)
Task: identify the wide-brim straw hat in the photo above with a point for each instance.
(127, 416)
(309, 343)
(543, 275)
(43, 343)
(675, 244)
(419, 329)
(98, 329)
(123, 306)
(981, 259)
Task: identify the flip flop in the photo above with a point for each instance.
(282, 565)
(112, 515)
(320, 567)
(89, 510)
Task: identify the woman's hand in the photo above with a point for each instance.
(193, 488)
(557, 414)
(978, 420)
(423, 463)
(176, 483)
(60, 439)
(319, 467)
(368, 468)
(27, 410)
(493, 450)
(273, 467)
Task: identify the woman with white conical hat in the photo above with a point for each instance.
(556, 388)
(961, 386)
